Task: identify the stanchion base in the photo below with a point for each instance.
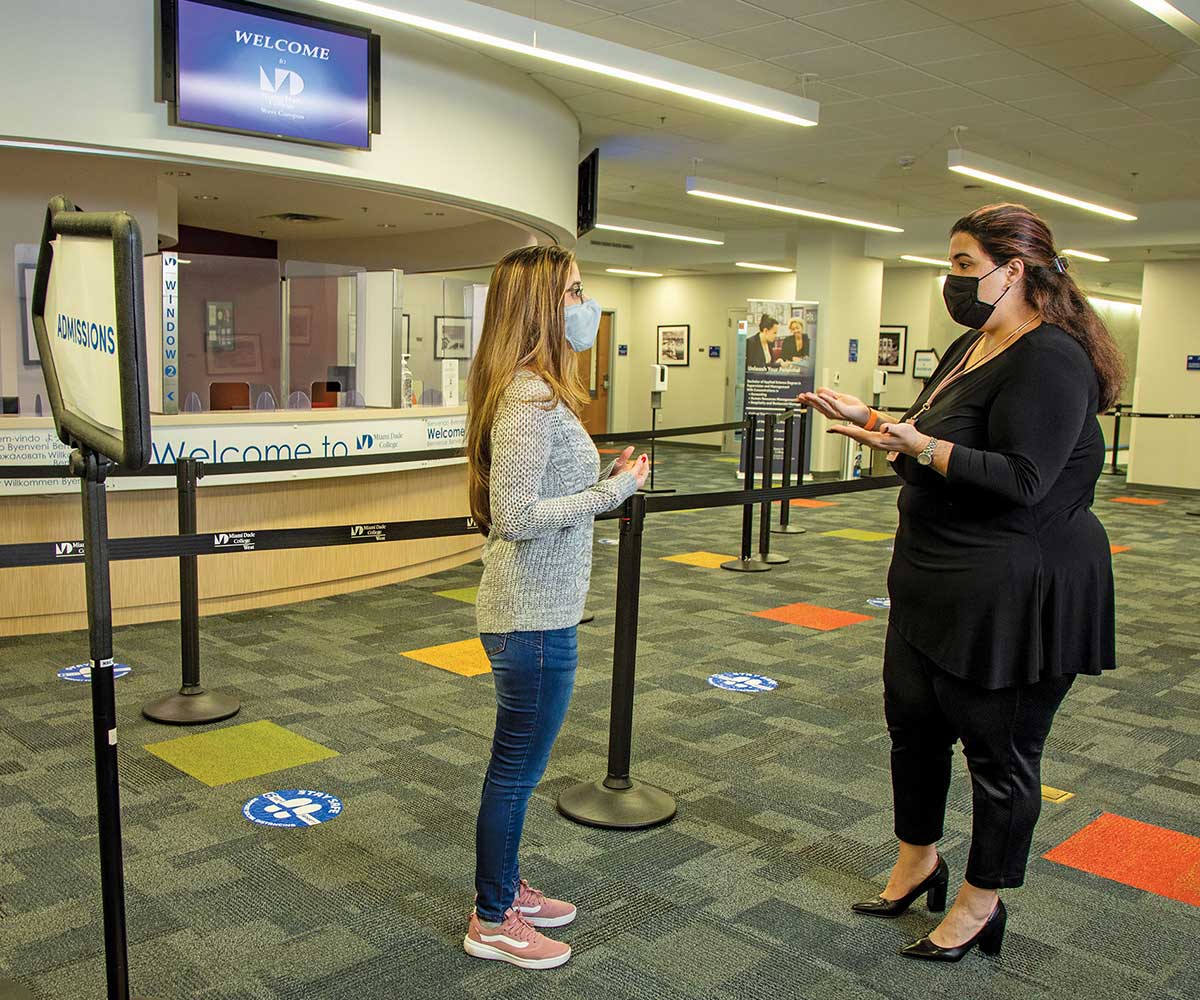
(745, 566)
(773, 559)
(181, 709)
(790, 529)
(657, 489)
(634, 808)
(588, 617)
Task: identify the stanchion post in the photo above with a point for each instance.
(1116, 438)
(619, 802)
(650, 487)
(745, 564)
(191, 705)
(785, 506)
(764, 513)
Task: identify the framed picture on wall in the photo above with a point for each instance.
(925, 363)
(244, 358)
(893, 342)
(300, 325)
(218, 327)
(451, 338)
(29, 349)
(674, 345)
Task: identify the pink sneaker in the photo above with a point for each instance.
(515, 942)
(540, 911)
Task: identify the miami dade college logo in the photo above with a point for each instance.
(368, 532)
(234, 540)
(293, 79)
(68, 550)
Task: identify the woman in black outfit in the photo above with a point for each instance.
(759, 350)
(1001, 580)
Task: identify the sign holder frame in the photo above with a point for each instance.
(96, 449)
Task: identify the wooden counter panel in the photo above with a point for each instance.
(51, 598)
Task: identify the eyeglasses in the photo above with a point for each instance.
(576, 289)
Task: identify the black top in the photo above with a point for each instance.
(757, 356)
(1002, 574)
(793, 353)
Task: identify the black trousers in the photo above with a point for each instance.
(1002, 731)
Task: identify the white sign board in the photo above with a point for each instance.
(170, 332)
(81, 323)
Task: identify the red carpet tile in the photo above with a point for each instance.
(815, 504)
(1117, 549)
(1146, 857)
(1139, 501)
(813, 616)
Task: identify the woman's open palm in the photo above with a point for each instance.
(836, 405)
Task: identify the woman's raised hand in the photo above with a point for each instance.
(836, 405)
(641, 469)
(623, 464)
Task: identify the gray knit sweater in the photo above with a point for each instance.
(546, 490)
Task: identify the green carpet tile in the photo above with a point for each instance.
(784, 801)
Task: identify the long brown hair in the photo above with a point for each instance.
(523, 328)
(1007, 232)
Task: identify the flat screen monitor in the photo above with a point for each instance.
(242, 67)
(89, 319)
(589, 192)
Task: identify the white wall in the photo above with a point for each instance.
(456, 125)
(1164, 452)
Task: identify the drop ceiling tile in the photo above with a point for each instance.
(939, 99)
(662, 119)
(1091, 121)
(1176, 111)
(606, 103)
(701, 54)
(1150, 138)
(916, 47)
(837, 62)
(565, 13)
(1027, 86)
(1113, 46)
(1165, 39)
(875, 20)
(565, 89)
(887, 82)
(1071, 20)
(767, 74)
(617, 6)
(856, 112)
(1062, 105)
(781, 38)
(966, 13)
(803, 8)
(700, 20)
(974, 71)
(1149, 94)
(1112, 77)
(626, 31)
(1123, 13)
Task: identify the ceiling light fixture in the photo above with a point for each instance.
(1097, 301)
(1084, 255)
(660, 230)
(762, 267)
(1171, 14)
(924, 260)
(632, 273)
(702, 187)
(499, 29)
(1018, 178)
(206, 197)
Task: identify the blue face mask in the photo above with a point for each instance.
(583, 323)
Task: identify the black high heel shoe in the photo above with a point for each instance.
(989, 939)
(935, 884)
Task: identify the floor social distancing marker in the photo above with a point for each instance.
(465, 658)
(1146, 857)
(742, 682)
(81, 673)
(1118, 549)
(293, 807)
(1051, 794)
(467, 595)
(234, 753)
(1139, 501)
(813, 616)
(858, 535)
(812, 504)
(880, 602)
(705, 560)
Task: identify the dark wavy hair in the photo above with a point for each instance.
(1007, 232)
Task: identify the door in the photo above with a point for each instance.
(593, 368)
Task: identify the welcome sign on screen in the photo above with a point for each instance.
(254, 73)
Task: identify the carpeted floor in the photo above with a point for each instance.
(784, 800)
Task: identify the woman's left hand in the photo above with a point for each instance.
(900, 437)
(623, 464)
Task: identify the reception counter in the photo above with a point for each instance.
(51, 598)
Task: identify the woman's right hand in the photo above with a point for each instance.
(837, 405)
(640, 470)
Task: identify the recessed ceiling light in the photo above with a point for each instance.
(660, 230)
(1019, 179)
(206, 197)
(1084, 255)
(501, 30)
(762, 267)
(385, 225)
(734, 194)
(632, 273)
(177, 173)
(924, 260)
(435, 213)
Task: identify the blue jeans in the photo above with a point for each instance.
(534, 673)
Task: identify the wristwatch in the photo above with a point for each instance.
(926, 456)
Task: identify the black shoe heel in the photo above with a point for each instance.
(935, 885)
(989, 938)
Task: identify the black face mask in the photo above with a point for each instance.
(961, 294)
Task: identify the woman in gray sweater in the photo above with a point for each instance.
(536, 487)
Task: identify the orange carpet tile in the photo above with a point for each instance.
(1139, 501)
(1117, 549)
(813, 616)
(1147, 857)
(813, 504)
